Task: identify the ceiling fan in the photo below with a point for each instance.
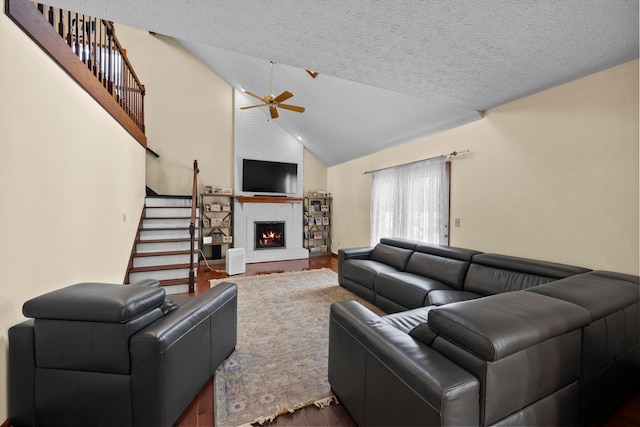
(272, 101)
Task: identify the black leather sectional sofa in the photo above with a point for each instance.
(95, 354)
(481, 339)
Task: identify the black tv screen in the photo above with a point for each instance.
(261, 176)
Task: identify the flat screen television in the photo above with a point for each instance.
(261, 176)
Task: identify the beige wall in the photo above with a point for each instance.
(188, 114)
(71, 181)
(315, 174)
(552, 176)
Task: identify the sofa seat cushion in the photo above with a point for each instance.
(443, 297)
(407, 320)
(364, 271)
(407, 289)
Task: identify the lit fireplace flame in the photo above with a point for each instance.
(269, 237)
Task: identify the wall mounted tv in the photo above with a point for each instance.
(261, 176)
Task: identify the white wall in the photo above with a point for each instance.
(71, 182)
(553, 176)
(188, 114)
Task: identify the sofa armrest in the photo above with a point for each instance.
(384, 376)
(173, 358)
(22, 363)
(352, 253)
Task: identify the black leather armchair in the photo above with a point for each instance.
(114, 355)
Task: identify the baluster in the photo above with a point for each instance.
(41, 8)
(83, 58)
(61, 22)
(87, 43)
(77, 41)
(69, 31)
(51, 16)
(101, 61)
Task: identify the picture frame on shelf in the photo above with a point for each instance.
(324, 208)
(206, 223)
(207, 207)
(317, 234)
(317, 205)
(216, 222)
(216, 207)
(318, 220)
(225, 223)
(217, 190)
(226, 207)
(217, 237)
(208, 189)
(207, 240)
(325, 220)
(306, 235)
(227, 239)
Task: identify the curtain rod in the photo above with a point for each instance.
(452, 154)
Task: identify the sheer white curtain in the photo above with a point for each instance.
(412, 202)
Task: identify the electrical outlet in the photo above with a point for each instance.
(124, 217)
(457, 222)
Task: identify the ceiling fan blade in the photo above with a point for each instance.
(254, 95)
(292, 108)
(274, 113)
(253, 106)
(283, 96)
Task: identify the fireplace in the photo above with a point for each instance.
(269, 235)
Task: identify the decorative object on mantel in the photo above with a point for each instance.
(280, 361)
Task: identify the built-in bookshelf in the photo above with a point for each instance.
(216, 224)
(317, 225)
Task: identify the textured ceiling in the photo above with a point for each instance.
(390, 71)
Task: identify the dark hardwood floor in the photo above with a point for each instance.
(200, 412)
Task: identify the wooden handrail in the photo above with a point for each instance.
(87, 49)
(192, 226)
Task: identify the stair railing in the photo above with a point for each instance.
(192, 226)
(89, 51)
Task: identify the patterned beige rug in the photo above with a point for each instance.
(280, 361)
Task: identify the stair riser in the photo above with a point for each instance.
(166, 223)
(169, 212)
(149, 261)
(162, 201)
(161, 275)
(176, 289)
(165, 234)
(165, 247)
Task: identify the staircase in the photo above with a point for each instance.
(162, 246)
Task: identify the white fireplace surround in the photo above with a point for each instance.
(257, 137)
(246, 213)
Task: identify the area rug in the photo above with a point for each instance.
(280, 361)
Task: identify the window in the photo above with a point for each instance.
(412, 202)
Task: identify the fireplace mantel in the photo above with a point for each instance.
(268, 199)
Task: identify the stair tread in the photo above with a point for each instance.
(166, 217)
(164, 253)
(174, 240)
(173, 282)
(163, 228)
(159, 267)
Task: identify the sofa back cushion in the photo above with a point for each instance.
(391, 255)
(87, 326)
(446, 270)
(491, 274)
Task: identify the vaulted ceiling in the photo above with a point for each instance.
(389, 71)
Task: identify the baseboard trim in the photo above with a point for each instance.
(6, 423)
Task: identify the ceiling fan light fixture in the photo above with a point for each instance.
(272, 101)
